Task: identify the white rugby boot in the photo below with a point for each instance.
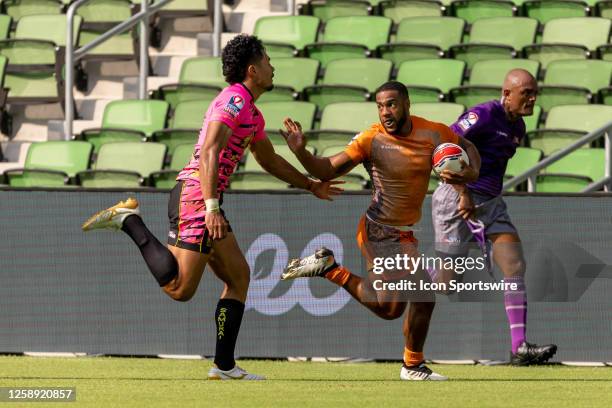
(318, 264)
(420, 373)
(235, 373)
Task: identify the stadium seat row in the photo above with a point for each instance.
(566, 82)
(469, 10)
(432, 37)
(132, 165)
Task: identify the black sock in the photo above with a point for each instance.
(159, 259)
(228, 317)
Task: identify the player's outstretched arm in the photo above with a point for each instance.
(324, 168)
(279, 167)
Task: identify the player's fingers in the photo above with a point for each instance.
(334, 182)
(284, 134)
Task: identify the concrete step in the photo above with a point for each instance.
(15, 153)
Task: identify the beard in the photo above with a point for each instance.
(399, 126)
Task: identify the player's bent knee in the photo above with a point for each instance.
(181, 294)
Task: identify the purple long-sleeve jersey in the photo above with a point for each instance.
(496, 139)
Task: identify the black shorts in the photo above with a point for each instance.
(186, 214)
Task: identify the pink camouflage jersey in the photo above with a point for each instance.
(235, 107)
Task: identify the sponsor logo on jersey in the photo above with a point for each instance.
(234, 105)
(390, 147)
(468, 121)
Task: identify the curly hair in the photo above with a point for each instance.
(241, 51)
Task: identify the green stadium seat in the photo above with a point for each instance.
(145, 116)
(567, 123)
(175, 137)
(605, 95)
(250, 164)
(493, 72)
(446, 113)
(174, 94)
(569, 38)
(496, 38)
(547, 10)
(532, 122)
(524, 158)
(291, 76)
(349, 80)
(350, 37)
(275, 113)
(5, 125)
(326, 10)
(98, 17)
(128, 121)
(604, 9)
(573, 82)
(589, 162)
(561, 183)
(5, 26)
(285, 36)
(397, 10)
(429, 79)
(35, 62)
(189, 115)
(422, 38)
(472, 11)
(100, 136)
(201, 78)
(51, 164)
(341, 121)
(123, 165)
(486, 79)
(358, 171)
(166, 178)
(256, 180)
(604, 52)
(203, 70)
(21, 8)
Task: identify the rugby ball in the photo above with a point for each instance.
(446, 157)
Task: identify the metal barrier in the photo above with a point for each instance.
(73, 55)
(531, 174)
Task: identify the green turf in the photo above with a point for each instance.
(136, 382)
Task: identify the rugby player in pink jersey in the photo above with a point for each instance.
(199, 233)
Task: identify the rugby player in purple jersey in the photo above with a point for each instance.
(477, 212)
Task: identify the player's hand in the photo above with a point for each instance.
(466, 205)
(325, 190)
(293, 135)
(216, 224)
(467, 174)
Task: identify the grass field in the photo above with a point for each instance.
(138, 382)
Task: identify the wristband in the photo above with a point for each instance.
(212, 205)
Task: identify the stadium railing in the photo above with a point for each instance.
(72, 54)
(531, 174)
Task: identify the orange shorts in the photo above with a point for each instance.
(377, 240)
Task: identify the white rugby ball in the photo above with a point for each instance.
(446, 157)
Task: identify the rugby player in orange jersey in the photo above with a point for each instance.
(397, 154)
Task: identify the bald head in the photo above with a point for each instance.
(518, 77)
(519, 93)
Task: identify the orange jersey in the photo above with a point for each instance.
(399, 168)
